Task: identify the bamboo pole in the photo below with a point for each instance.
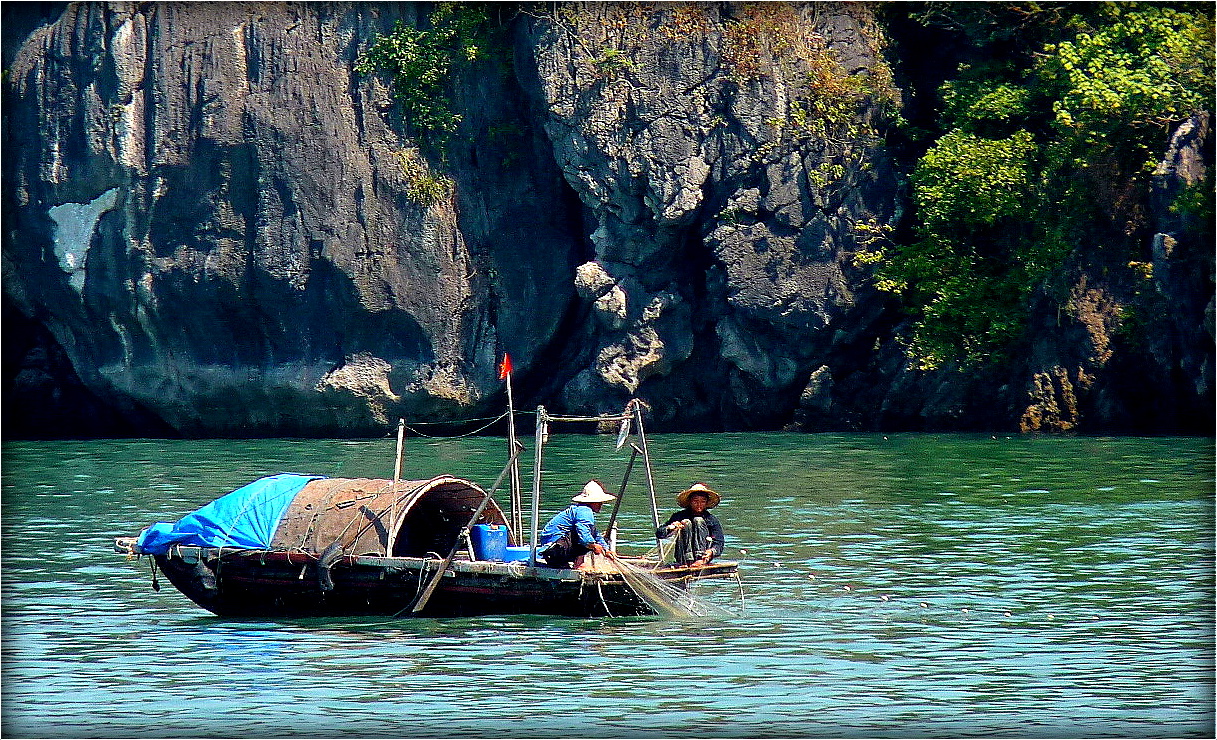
(390, 540)
(401, 438)
(517, 504)
(612, 524)
(542, 424)
(646, 459)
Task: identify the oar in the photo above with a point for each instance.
(421, 601)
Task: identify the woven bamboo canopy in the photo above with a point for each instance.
(368, 516)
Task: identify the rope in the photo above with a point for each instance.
(613, 417)
(455, 422)
(492, 420)
(600, 588)
(479, 430)
(458, 421)
(422, 570)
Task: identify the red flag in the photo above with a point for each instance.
(505, 366)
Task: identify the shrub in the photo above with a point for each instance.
(1047, 145)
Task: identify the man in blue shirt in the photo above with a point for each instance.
(572, 533)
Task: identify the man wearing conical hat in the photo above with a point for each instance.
(699, 536)
(572, 533)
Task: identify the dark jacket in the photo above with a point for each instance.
(716, 529)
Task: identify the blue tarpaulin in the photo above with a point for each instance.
(246, 518)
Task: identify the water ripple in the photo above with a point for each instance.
(921, 584)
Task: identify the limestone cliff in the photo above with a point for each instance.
(210, 212)
(214, 225)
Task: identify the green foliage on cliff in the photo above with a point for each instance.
(420, 61)
(1048, 141)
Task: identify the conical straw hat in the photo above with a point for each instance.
(593, 493)
(682, 498)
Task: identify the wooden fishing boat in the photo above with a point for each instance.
(289, 546)
(252, 583)
(302, 573)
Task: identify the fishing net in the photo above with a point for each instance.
(666, 599)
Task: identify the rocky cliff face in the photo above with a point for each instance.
(215, 226)
(721, 219)
(209, 211)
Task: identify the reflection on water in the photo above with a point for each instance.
(895, 586)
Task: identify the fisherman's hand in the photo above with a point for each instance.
(596, 548)
(677, 525)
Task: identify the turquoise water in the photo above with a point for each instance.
(897, 586)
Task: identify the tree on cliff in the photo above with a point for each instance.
(1049, 134)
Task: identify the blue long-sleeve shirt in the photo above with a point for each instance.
(577, 518)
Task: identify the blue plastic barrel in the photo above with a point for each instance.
(489, 541)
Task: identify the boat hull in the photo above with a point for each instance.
(255, 583)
